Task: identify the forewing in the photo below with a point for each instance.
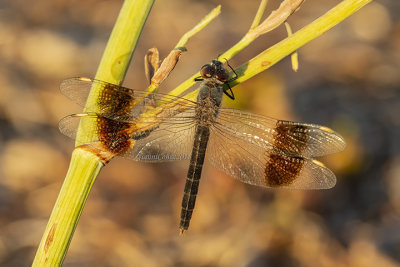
(278, 136)
(122, 103)
(252, 164)
(76, 89)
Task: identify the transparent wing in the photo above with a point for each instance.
(76, 89)
(298, 139)
(252, 164)
(154, 140)
(121, 103)
(122, 114)
(172, 140)
(69, 126)
(113, 134)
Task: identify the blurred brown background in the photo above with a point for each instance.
(349, 79)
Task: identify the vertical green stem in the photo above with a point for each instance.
(67, 210)
(123, 40)
(85, 166)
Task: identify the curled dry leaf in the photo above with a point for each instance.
(151, 63)
(276, 18)
(167, 66)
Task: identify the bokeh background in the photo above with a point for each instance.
(349, 80)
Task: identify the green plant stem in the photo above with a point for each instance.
(165, 69)
(199, 26)
(259, 14)
(68, 208)
(85, 166)
(274, 54)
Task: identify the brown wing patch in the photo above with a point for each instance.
(115, 135)
(286, 143)
(282, 169)
(116, 100)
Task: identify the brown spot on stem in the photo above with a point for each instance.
(265, 63)
(50, 237)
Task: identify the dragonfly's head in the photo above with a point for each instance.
(214, 70)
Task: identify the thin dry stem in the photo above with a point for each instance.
(259, 14)
(294, 57)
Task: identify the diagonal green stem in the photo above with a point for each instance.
(68, 208)
(274, 54)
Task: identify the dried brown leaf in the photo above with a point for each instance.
(167, 66)
(277, 17)
(151, 63)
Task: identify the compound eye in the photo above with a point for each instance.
(207, 71)
(217, 64)
(222, 74)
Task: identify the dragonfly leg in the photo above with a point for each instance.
(229, 92)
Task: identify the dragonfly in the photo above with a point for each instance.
(153, 127)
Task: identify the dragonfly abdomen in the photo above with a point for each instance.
(194, 173)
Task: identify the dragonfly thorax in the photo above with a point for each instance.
(208, 103)
(211, 90)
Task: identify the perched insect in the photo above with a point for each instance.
(153, 127)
